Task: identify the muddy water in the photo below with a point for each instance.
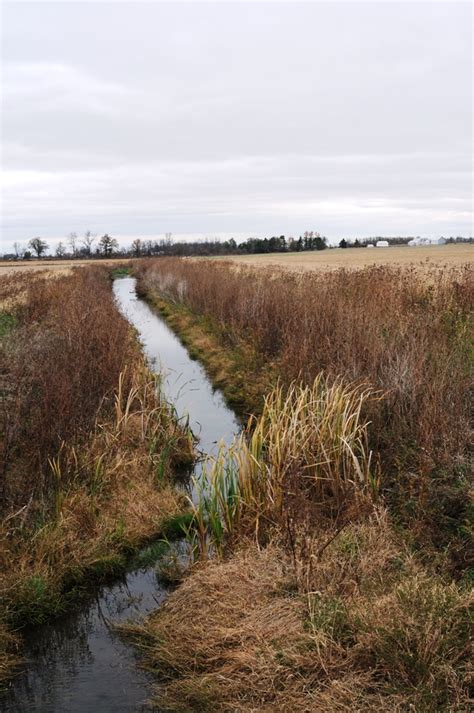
(78, 664)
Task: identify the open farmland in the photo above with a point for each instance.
(356, 258)
(60, 266)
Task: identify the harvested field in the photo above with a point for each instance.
(57, 266)
(353, 258)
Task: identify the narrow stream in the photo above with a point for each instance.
(78, 664)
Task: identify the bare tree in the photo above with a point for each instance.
(19, 250)
(137, 247)
(72, 240)
(60, 250)
(87, 241)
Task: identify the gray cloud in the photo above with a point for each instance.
(139, 118)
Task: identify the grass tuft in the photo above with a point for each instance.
(371, 630)
(306, 453)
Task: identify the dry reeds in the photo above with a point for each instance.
(403, 331)
(317, 602)
(305, 456)
(89, 447)
(111, 494)
(63, 358)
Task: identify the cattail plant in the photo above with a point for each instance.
(310, 440)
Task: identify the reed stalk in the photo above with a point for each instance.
(310, 440)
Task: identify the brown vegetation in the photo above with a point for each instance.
(404, 333)
(87, 446)
(64, 356)
(55, 266)
(302, 463)
(358, 258)
(338, 521)
(367, 629)
(321, 598)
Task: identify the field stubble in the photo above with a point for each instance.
(358, 258)
(59, 267)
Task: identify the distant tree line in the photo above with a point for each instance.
(89, 246)
(74, 246)
(166, 246)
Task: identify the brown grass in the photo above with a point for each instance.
(51, 266)
(317, 601)
(354, 259)
(64, 356)
(108, 500)
(304, 461)
(88, 446)
(9, 646)
(404, 333)
(368, 630)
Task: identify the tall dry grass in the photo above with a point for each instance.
(403, 331)
(304, 460)
(318, 601)
(63, 357)
(88, 446)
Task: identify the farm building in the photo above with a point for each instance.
(381, 244)
(426, 241)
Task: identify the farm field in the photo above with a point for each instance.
(57, 266)
(352, 258)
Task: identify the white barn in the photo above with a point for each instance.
(426, 241)
(381, 244)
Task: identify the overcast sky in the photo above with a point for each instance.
(142, 118)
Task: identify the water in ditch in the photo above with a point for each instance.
(78, 664)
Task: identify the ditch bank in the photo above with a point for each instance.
(234, 368)
(78, 662)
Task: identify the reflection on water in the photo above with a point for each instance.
(78, 664)
(185, 383)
